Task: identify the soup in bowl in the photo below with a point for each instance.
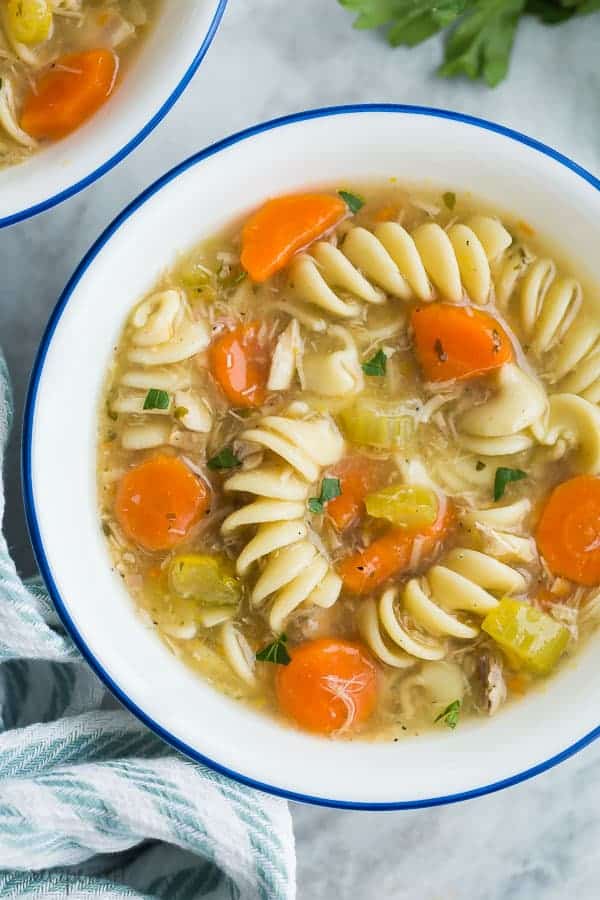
(334, 468)
(82, 82)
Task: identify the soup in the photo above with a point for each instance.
(60, 60)
(348, 461)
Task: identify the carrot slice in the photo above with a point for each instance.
(458, 342)
(568, 533)
(330, 685)
(358, 476)
(394, 552)
(69, 93)
(158, 501)
(283, 226)
(239, 361)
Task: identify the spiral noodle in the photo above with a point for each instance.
(295, 571)
(502, 424)
(553, 317)
(431, 263)
(163, 338)
(400, 629)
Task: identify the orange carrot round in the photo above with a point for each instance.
(393, 553)
(330, 685)
(358, 475)
(568, 533)
(69, 93)
(158, 501)
(284, 225)
(458, 342)
(239, 361)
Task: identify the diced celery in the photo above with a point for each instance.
(205, 579)
(406, 505)
(376, 423)
(527, 634)
(29, 21)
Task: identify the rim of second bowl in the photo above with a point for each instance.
(27, 435)
(134, 142)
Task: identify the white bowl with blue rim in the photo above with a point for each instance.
(331, 146)
(156, 77)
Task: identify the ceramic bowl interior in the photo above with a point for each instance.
(201, 196)
(154, 80)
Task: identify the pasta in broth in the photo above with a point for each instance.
(59, 62)
(349, 458)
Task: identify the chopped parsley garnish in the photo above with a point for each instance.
(376, 365)
(275, 652)
(157, 399)
(503, 477)
(330, 488)
(450, 715)
(352, 201)
(449, 199)
(225, 459)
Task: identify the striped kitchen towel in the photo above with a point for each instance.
(92, 804)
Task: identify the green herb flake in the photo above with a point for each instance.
(330, 489)
(352, 201)
(450, 715)
(479, 466)
(449, 199)
(376, 366)
(503, 477)
(180, 412)
(275, 652)
(157, 399)
(225, 459)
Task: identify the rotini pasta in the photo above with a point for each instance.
(466, 580)
(295, 571)
(431, 263)
(163, 338)
(554, 319)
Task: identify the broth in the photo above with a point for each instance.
(376, 437)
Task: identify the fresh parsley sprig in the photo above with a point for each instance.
(482, 32)
(225, 459)
(352, 201)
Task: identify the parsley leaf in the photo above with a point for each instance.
(225, 459)
(330, 488)
(481, 32)
(157, 399)
(275, 652)
(505, 476)
(352, 201)
(450, 715)
(376, 365)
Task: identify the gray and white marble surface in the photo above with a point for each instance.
(537, 841)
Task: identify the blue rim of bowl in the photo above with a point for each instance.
(135, 141)
(28, 422)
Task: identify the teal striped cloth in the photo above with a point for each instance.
(92, 804)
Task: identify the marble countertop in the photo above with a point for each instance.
(537, 841)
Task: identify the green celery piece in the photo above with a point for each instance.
(405, 505)
(481, 43)
(531, 636)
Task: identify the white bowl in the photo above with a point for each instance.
(336, 146)
(153, 82)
